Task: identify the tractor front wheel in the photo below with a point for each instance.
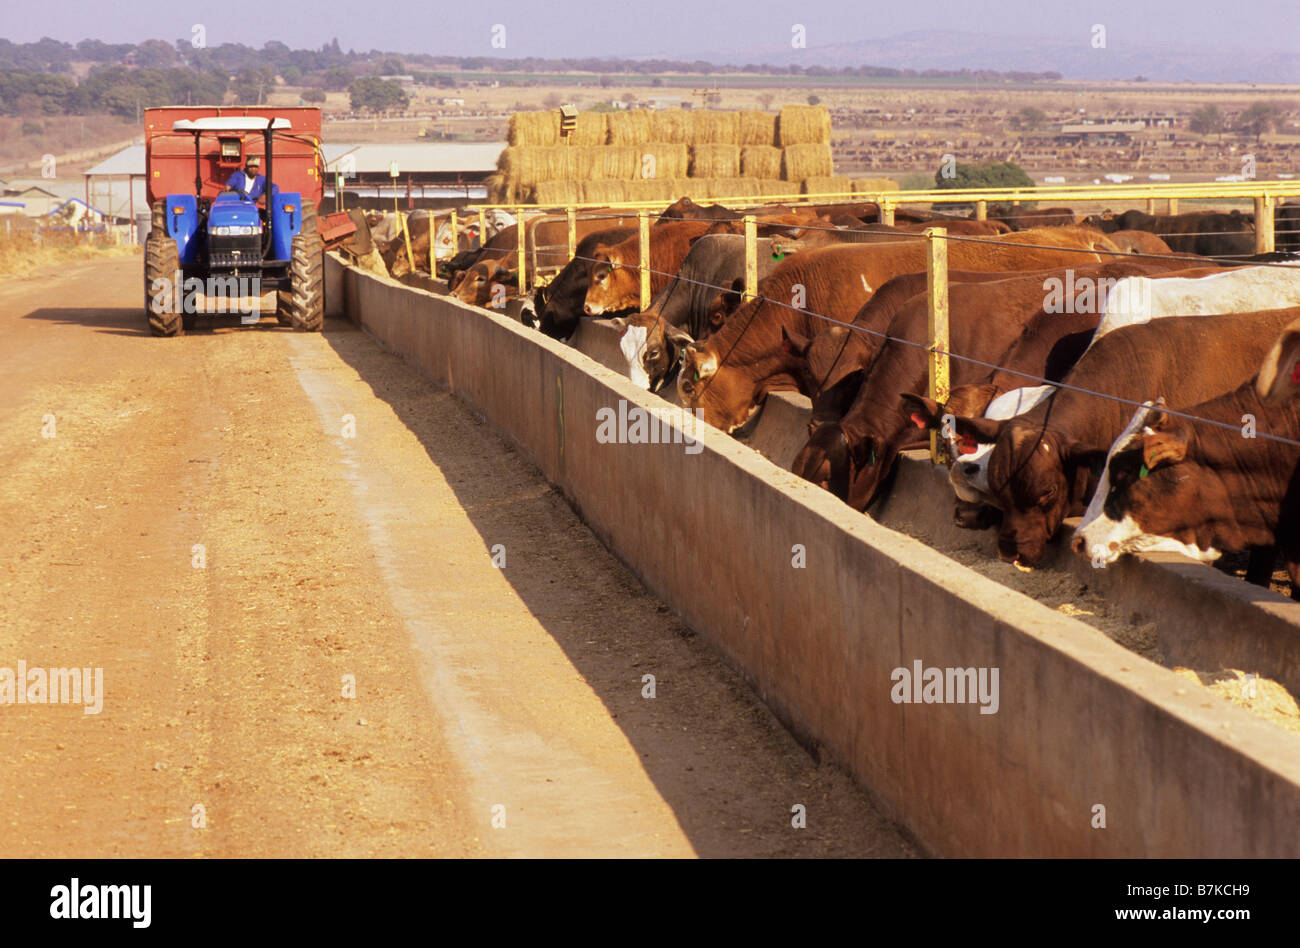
(162, 269)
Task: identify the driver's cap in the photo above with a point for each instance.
(254, 160)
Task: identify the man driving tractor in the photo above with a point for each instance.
(249, 182)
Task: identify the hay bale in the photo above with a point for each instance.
(670, 160)
(592, 129)
(604, 192)
(532, 129)
(870, 185)
(697, 189)
(671, 125)
(803, 125)
(760, 161)
(631, 127)
(755, 128)
(651, 189)
(715, 161)
(806, 161)
(557, 193)
(735, 187)
(499, 189)
(827, 184)
(618, 162)
(714, 128)
(769, 188)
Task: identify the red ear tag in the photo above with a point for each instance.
(967, 445)
(917, 419)
(1295, 373)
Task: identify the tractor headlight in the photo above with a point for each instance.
(236, 230)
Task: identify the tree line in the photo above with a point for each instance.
(38, 78)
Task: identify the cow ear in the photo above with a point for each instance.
(678, 336)
(794, 342)
(1280, 372)
(455, 279)
(619, 323)
(1165, 439)
(923, 412)
(983, 430)
(970, 400)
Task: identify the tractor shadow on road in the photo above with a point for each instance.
(117, 320)
(729, 771)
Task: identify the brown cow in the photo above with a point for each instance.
(1200, 489)
(1039, 468)
(727, 376)
(1279, 375)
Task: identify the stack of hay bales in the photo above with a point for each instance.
(661, 155)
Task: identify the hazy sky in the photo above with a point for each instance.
(647, 27)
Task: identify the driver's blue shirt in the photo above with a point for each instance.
(239, 182)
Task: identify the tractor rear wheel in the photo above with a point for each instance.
(162, 263)
(158, 217)
(306, 310)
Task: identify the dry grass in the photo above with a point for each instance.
(760, 161)
(799, 162)
(20, 255)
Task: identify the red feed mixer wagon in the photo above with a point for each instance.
(208, 234)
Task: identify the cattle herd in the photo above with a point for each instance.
(1137, 371)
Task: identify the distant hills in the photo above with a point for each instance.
(1125, 57)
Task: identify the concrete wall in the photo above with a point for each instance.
(1082, 721)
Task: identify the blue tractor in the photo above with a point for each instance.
(214, 242)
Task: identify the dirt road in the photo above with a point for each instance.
(241, 526)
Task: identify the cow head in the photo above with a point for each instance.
(611, 286)
(1034, 477)
(475, 285)
(652, 349)
(1153, 495)
(825, 461)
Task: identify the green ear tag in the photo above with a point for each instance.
(697, 376)
(1143, 471)
(872, 462)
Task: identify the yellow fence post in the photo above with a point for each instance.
(1173, 206)
(887, 213)
(406, 232)
(455, 232)
(643, 226)
(1151, 205)
(573, 231)
(936, 286)
(522, 239)
(751, 258)
(981, 210)
(482, 227)
(1263, 224)
(433, 244)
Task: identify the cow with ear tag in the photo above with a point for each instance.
(1201, 483)
(1045, 463)
(478, 285)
